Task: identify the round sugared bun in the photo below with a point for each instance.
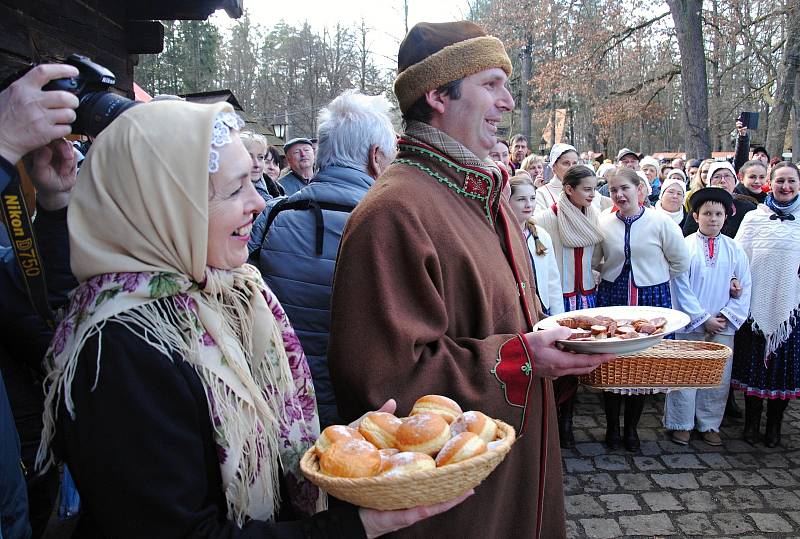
(437, 404)
(408, 462)
(423, 433)
(333, 434)
(459, 448)
(476, 422)
(351, 458)
(385, 455)
(380, 429)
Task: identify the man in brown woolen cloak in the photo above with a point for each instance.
(433, 291)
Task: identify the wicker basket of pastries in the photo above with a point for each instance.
(669, 364)
(434, 455)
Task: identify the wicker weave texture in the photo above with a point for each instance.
(418, 488)
(668, 364)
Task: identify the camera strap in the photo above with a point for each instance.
(26, 249)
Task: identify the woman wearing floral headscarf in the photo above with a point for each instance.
(179, 395)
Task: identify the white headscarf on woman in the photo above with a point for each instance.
(719, 165)
(678, 179)
(141, 260)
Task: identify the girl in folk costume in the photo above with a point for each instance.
(178, 393)
(540, 244)
(715, 315)
(766, 363)
(642, 249)
(670, 199)
(573, 225)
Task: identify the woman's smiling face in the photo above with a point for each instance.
(785, 184)
(232, 206)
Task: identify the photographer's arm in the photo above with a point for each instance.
(29, 117)
(53, 170)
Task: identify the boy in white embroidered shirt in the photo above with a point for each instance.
(715, 312)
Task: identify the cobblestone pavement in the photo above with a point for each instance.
(669, 490)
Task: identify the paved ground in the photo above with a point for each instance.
(668, 490)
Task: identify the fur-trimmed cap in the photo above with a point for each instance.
(433, 54)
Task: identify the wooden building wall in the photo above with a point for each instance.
(111, 32)
(39, 30)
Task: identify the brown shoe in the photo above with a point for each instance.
(681, 437)
(711, 438)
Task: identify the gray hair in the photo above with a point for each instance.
(349, 125)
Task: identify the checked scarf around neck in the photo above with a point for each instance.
(141, 262)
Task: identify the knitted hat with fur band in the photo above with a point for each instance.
(433, 54)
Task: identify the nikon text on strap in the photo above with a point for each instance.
(26, 250)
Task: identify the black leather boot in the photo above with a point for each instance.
(612, 402)
(772, 433)
(565, 435)
(634, 404)
(732, 410)
(752, 418)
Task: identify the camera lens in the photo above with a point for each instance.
(97, 110)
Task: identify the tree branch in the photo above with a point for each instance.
(668, 75)
(619, 37)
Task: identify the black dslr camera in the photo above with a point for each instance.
(98, 107)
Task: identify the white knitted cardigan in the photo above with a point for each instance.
(773, 247)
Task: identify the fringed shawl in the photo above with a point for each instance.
(773, 247)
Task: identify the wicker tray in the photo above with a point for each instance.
(669, 364)
(418, 488)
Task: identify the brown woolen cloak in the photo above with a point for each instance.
(433, 287)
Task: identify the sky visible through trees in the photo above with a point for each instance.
(610, 73)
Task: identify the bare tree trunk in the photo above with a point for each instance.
(363, 52)
(552, 96)
(525, 108)
(715, 129)
(571, 122)
(787, 80)
(687, 16)
(796, 123)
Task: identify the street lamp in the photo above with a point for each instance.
(279, 130)
(542, 146)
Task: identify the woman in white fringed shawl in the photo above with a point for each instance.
(179, 395)
(766, 362)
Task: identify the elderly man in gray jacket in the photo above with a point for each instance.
(295, 240)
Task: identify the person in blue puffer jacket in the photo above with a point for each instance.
(294, 242)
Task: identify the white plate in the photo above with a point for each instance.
(675, 320)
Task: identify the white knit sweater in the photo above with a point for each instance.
(657, 248)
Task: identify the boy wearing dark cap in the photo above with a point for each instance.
(704, 293)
